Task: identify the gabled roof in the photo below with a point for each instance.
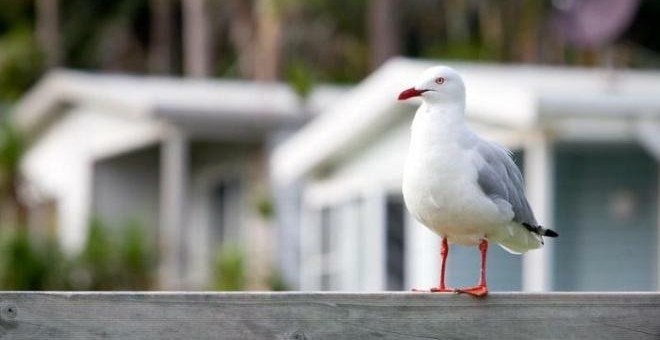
(191, 101)
(517, 96)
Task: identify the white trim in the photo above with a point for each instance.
(173, 201)
(349, 234)
(657, 244)
(310, 262)
(139, 136)
(422, 255)
(375, 217)
(539, 170)
(141, 96)
(648, 135)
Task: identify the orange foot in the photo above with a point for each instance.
(476, 291)
(436, 290)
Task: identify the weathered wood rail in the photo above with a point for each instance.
(179, 315)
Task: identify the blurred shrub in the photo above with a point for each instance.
(31, 263)
(300, 77)
(136, 259)
(276, 282)
(21, 63)
(264, 207)
(114, 261)
(11, 150)
(229, 269)
(93, 268)
(108, 261)
(229, 272)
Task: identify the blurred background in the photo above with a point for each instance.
(257, 144)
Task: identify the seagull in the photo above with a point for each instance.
(462, 187)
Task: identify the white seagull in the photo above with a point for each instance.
(462, 187)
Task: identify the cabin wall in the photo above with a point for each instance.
(606, 214)
(126, 190)
(58, 166)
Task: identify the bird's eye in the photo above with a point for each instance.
(440, 80)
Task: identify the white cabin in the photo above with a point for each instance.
(187, 159)
(588, 141)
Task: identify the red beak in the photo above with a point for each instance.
(409, 93)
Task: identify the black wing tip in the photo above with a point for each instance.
(540, 230)
(550, 233)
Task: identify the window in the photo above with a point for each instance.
(395, 243)
(338, 254)
(225, 212)
(327, 253)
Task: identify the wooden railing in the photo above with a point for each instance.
(186, 315)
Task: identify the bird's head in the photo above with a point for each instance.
(439, 84)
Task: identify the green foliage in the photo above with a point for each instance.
(108, 261)
(21, 63)
(276, 282)
(229, 272)
(15, 13)
(346, 16)
(229, 269)
(97, 260)
(460, 51)
(30, 263)
(11, 150)
(300, 77)
(326, 40)
(111, 261)
(265, 207)
(11, 145)
(93, 31)
(136, 259)
(22, 265)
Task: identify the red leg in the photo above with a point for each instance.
(481, 289)
(444, 251)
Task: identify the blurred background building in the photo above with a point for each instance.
(256, 144)
(186, 158)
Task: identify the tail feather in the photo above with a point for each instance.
(516, 240)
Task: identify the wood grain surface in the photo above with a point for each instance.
(404, 315)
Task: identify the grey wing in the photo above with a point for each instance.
(501, 178)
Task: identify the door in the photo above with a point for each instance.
(225, 210)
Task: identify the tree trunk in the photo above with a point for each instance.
(48, 31)
(196, 39)
(160, 49)
(456, 15)
(268, 41)
(383, 31)
(528, 31)
(510, 16)
(241, 35)
(490, 26)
